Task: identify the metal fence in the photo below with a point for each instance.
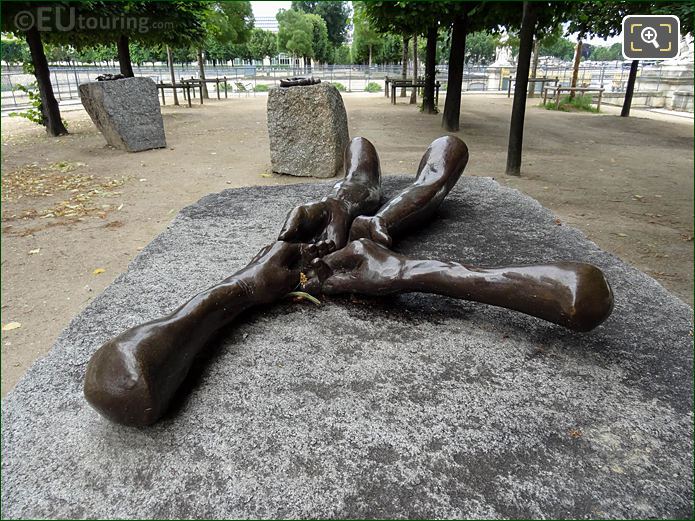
(350, 78)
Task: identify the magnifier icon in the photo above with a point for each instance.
(648, 35)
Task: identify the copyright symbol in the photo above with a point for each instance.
(24, 20)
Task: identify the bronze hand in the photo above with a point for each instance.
(357, 194)
(572, 294)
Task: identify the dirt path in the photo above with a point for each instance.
(625, 182)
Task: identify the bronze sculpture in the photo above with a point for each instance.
(439, 169)
(359, 193)
(575, 295)
(299, 82)
(132, 378)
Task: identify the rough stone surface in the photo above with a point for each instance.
(308, 130)
(126, 112)
(412, 406)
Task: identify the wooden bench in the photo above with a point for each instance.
(189, 86)
(559, 89)
(542, 81)
(185, 87)
(410, 84)
(217, 81)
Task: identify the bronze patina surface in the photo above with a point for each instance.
(357, 194)
(298, 82)
(575, 295)
(439, 170)
(132, 378)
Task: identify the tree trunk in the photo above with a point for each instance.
(430, 59)
(49, 105)
(173, 77)
(457, 53)
(370, 55)
(404, 69)
(516, 127)
(413, 95)
(629, 89)
(124, 56)
(534, 66)
(201, 73)
(577, 59)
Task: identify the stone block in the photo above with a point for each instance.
(126, 112)
(308, 130)
(413, 406)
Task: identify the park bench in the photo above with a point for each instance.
(217, 81)
(189, 86)
(410, 84)
(558, 89)
(533, 81)
(185, 87)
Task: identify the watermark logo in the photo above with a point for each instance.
(651, 37)
(62, 19)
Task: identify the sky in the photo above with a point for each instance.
(271, 9)
(268, 8)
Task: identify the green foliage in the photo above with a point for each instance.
(335, 14)
(480, 47)
(342, 55)
(373, 87)
(228, 22)
(339, 86)
(559, 47)
(365, 37)
(14, 51)
(176, 23)
(581, 102)
(683, 10)
(603, 19)
(295, 34)
(261, 87)
(614, 52)
(320, 45)
(263, 44)
(35, 111)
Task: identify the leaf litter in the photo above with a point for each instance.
(81, 194)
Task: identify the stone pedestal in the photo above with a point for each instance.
(416, 406)
(126, 112)
(308, 130)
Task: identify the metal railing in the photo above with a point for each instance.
(350, 78)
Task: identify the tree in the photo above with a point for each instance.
(516, 127)
(452, 105)
(557, 47)
(14, 51)
(320, 45)
(226, 23)
(295, 33)
(605, 53)
(342, 55)
(389, 50)
(263, 44)
(49, 105)
(602, 19)
(411, 18)
(335, 14)
(464, 17)
(365, 35)
(480, 47)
